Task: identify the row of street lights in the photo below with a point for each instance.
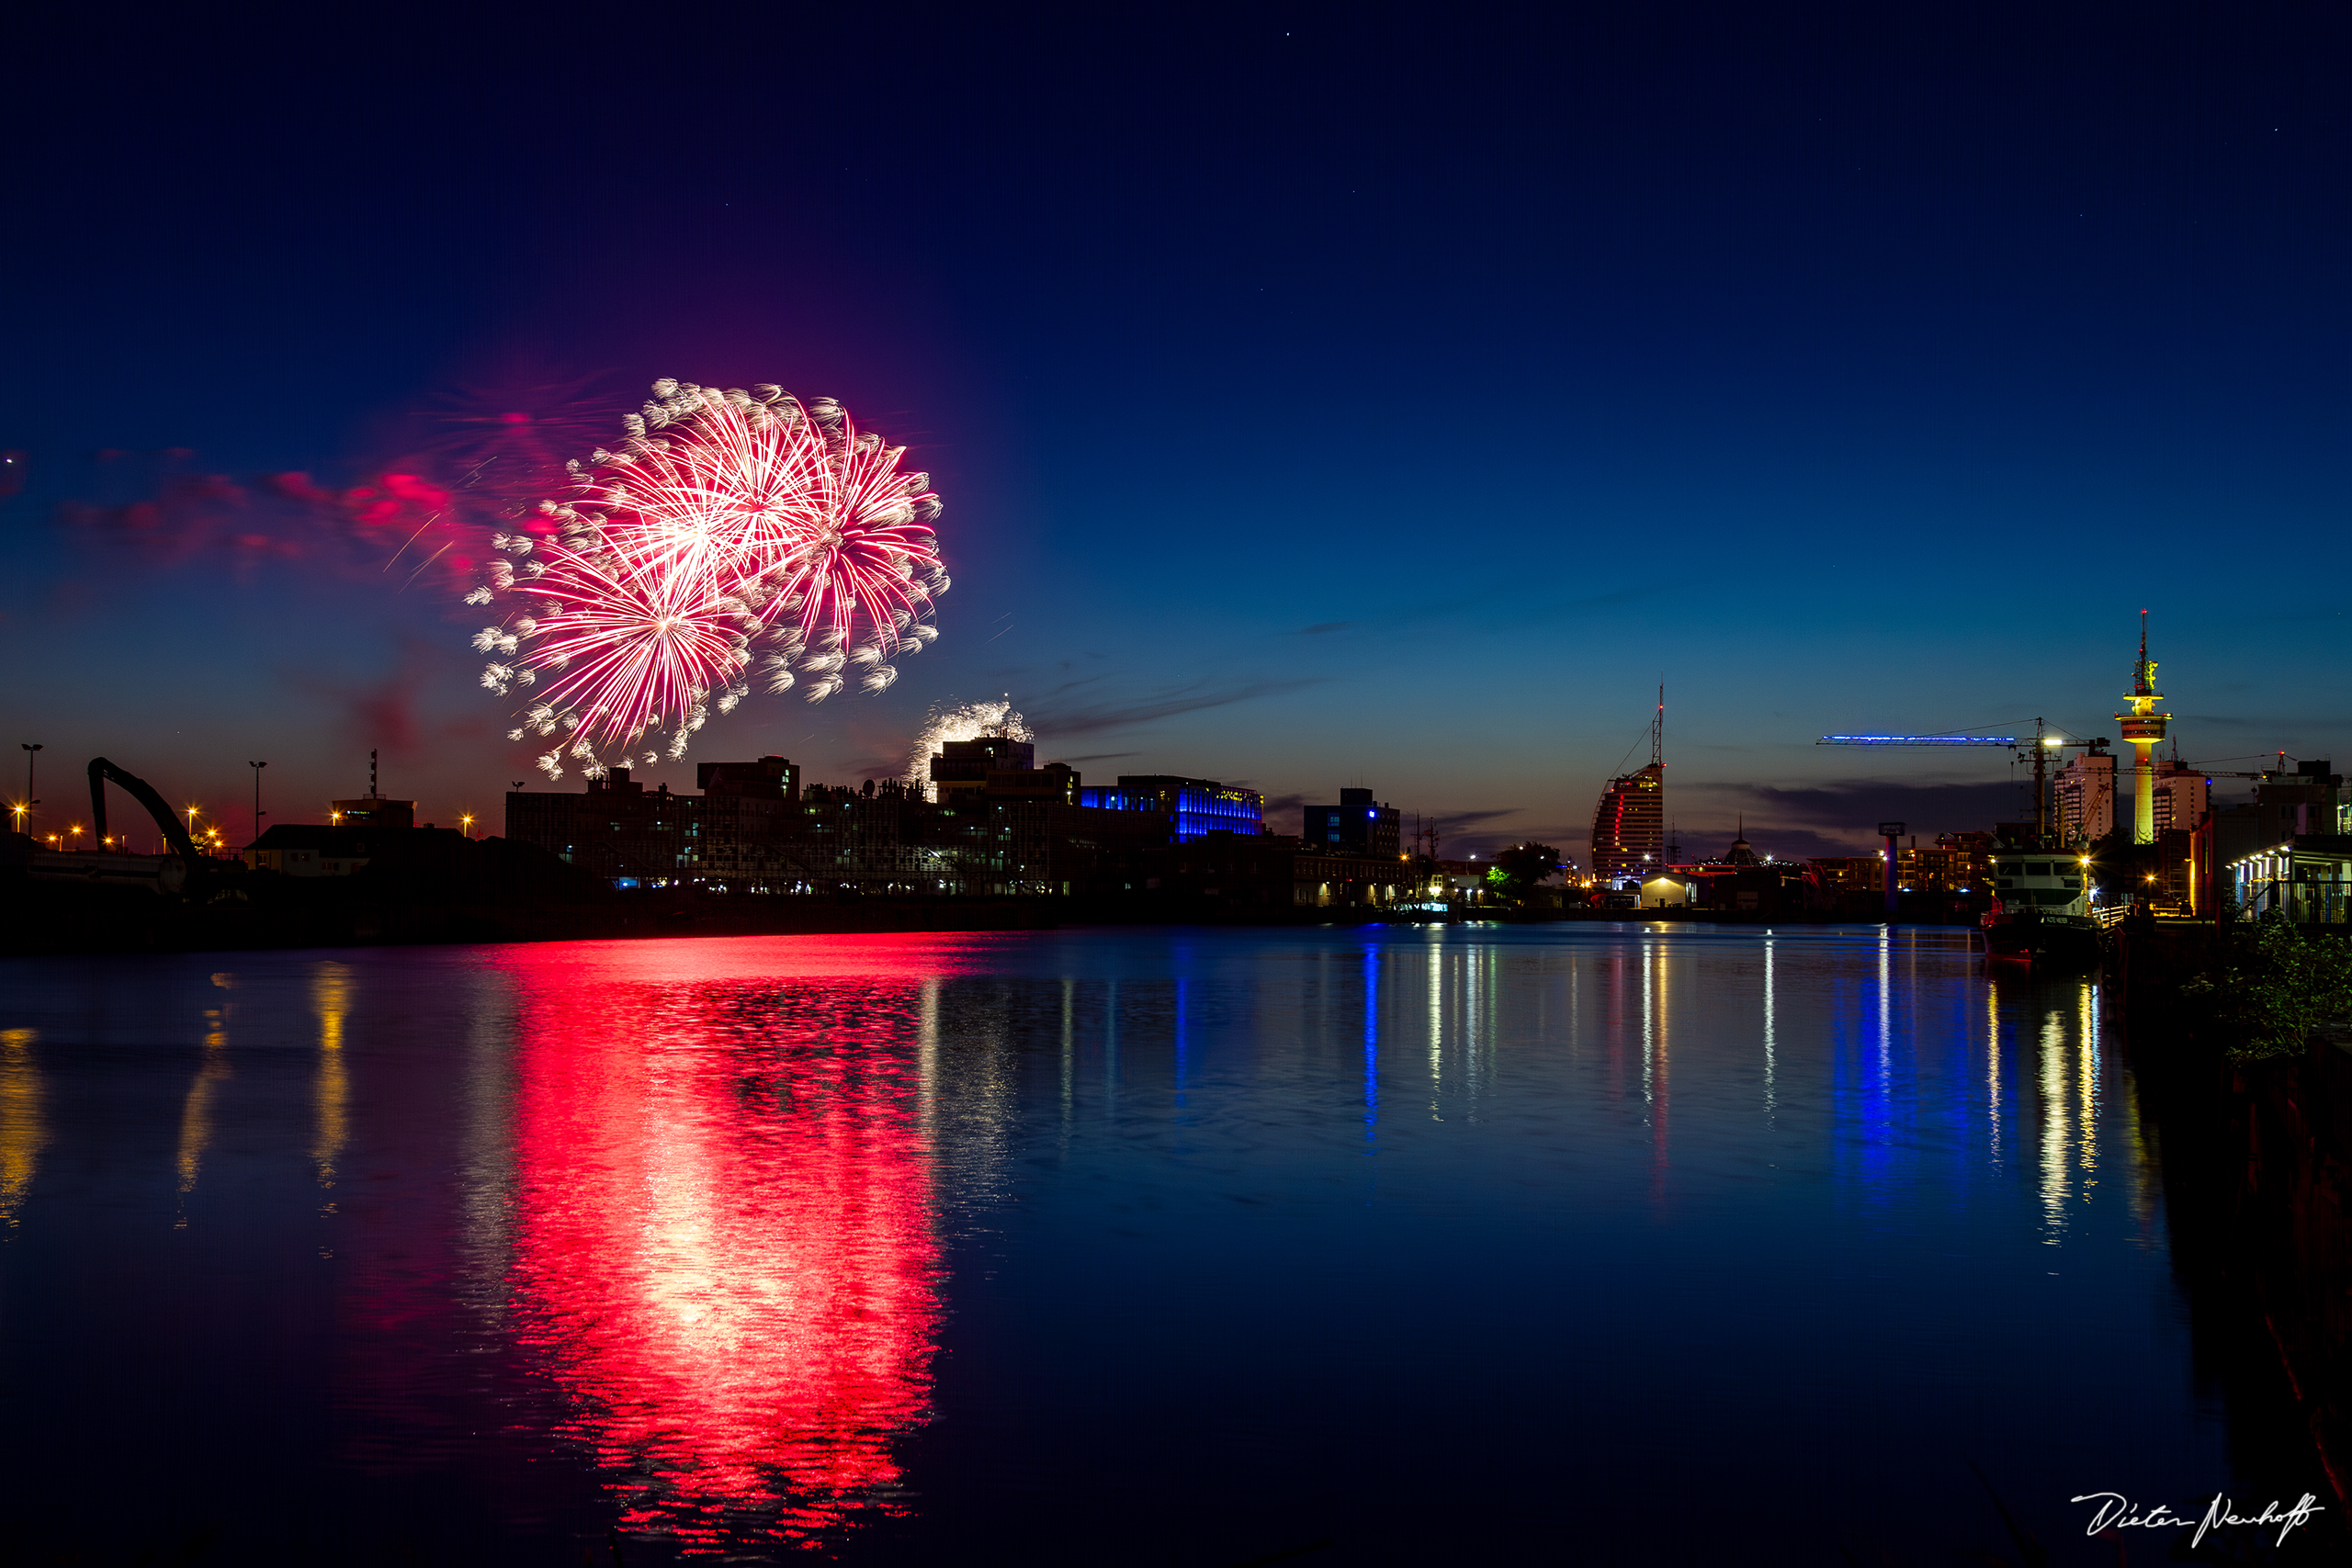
(20, 809)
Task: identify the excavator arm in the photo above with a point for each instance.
(174, 832)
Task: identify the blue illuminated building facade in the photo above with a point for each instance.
(1358, 824)
(1197, 806)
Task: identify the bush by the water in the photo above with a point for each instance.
(2272, 984)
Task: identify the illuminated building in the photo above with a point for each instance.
(2181, 793)
(1357, 825)
(2143, 730)
(1629, 825)
(2087, 797)
(2286, 806)
(1197, 806)
(2306, 878)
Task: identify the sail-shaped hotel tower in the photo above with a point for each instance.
(1629, 825)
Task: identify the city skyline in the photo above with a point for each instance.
(1858, 376)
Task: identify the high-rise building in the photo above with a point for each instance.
(1358, 825)
(2180, 796)
(2087, 797)
(1629, 825)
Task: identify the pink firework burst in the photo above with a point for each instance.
(723, 517)
(857, 589)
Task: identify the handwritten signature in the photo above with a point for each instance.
(2114, 1511)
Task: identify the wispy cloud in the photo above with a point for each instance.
(1048, 719)
(1858, 805)
(1466, 821)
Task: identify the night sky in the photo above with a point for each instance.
(1381, 395)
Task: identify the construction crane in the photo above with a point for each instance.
(1917, 741)
(2041, 745)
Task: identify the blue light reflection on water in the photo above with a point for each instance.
(1660, 1214)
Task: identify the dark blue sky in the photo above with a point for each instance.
(1380, 395)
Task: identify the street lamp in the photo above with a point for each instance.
(257, 767)
(468, 820)
(30, 799)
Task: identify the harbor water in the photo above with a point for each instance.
(1162, 1245)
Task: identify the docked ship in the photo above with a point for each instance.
(2041, 914)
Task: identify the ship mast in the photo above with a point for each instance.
(2040, 789)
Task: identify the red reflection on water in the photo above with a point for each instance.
(724, 1244)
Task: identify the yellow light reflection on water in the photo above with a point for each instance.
(22, 1131)
(196, 1113)
(331, 1088)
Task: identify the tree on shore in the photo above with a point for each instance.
(1518, 869)
(2272, 982)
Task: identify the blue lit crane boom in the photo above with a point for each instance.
(2041, 745)
(2010, 741)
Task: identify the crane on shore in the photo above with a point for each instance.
(2043, 743)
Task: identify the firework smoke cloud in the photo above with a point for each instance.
(729, 538)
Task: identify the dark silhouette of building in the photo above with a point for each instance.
(307, 848)
(963, 766)
(994, 831)
(373, 811)
(770, 778)
(740, 831)
(1358, 825)
(1243, 872)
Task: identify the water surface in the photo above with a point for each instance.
(1162, 1246)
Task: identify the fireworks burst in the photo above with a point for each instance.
(965, 721)
(729, 529)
